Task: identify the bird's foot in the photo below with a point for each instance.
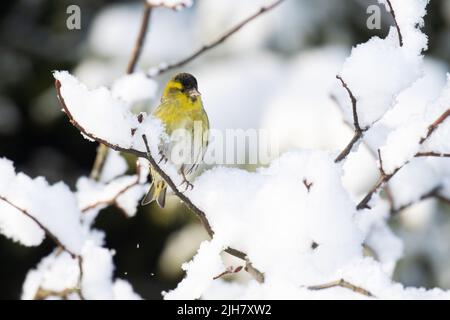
(188, 184)
(163, 157)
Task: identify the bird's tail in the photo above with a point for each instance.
(157, 192)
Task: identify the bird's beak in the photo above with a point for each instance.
(193, 93)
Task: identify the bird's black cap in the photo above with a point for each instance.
(187, 80)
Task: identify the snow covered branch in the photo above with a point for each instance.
(132, 135)
(42, 226)
(164, 67)
(385, 177)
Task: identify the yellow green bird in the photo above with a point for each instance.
(187, 125)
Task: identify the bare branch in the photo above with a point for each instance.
(344, 153)
(359, 132)
(435, 125)
(399, 32)
(166, 67)
(344, 284)
(384, 178)
(432, 154)
(354, 102)
(374, 153)
(307, 184)
(229, 270)
(140, 38)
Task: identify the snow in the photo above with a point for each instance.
(206, 264)
(59, 272)
(122, 290)
(18, 227)
(250, 225)
(129, 201)
(378, 70)
(176, 4)
(97, 272)
(404, 141)
(402, 144)
(414, 180)
(114, 166)
(53, 206)
(134, 87)
(409, 16)
(118, 124)
(439, 141)
(56, 272)
(93, 195)
(90, 106)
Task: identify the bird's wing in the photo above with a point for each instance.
(195, 122)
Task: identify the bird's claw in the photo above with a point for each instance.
(163, 157)
(188, 184)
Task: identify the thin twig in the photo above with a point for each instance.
(228, 271)
(166, 67)
(112, 199)
(384, 178)
(399, 32)
(431, 194)
(343, 284)
(435, 125)
(358, 131)
(432, 154)
(102, 150)
(354, 102)
(346, 151)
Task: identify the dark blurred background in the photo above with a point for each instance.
(33, 41)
